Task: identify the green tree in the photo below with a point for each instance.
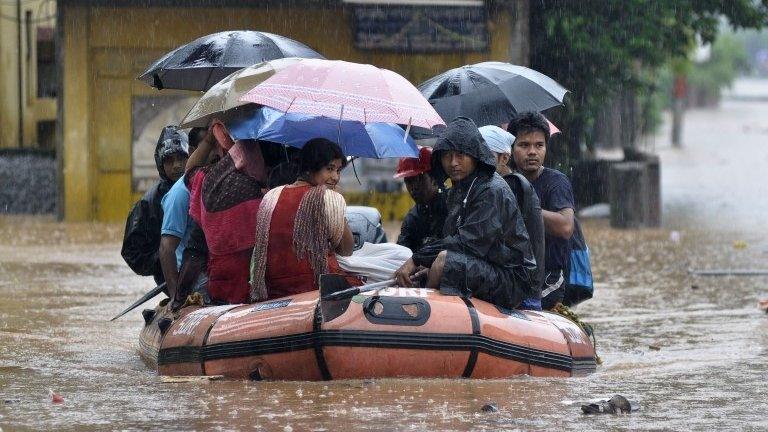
(727, 58)
(598, 47)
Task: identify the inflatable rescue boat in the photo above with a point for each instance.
(394, 332)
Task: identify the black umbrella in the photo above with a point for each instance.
(203, 62)
(490, 93)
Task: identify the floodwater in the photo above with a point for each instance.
(691, 351)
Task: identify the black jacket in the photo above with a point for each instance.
(142, 228)
(530, 207)
(423, 223)
(489, 254)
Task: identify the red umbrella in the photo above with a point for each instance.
(552, 128)
(344, 90)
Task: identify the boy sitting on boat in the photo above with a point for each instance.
(485, 251)
(555, 193)
(141, 239)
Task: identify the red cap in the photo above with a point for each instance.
(411, 167)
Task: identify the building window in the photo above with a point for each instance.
(47, 84)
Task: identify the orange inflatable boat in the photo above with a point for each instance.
(396, 332)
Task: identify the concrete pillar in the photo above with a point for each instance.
(626, 194)
(635, 194)
(77, 161)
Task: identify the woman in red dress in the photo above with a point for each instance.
(224, 199)
(301, 227)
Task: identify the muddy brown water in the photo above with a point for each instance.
(690, 350)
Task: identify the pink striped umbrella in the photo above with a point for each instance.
(344, 90)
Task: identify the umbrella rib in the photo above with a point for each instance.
(526, 95)
(290, 105)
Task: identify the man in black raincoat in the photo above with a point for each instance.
(142, 228)
(485, 251)
(500, 143)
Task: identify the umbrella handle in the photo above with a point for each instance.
(407, 129)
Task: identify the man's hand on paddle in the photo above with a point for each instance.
(403, 274)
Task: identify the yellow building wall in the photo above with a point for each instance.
(34, 109)
(107, 48)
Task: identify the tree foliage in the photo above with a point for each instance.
(728, 57)
(598, 47)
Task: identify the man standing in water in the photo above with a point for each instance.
(485, 250)
(556, 196)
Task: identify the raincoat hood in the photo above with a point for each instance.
(171, 141)
(462, 135)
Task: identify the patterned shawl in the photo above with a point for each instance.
(318, 229)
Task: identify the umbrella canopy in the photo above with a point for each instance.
(372, 140)
(347, 91)
(203, 62)
(226, 93)
(490, 93)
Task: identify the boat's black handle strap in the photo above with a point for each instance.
(319, 355)
(475, 331)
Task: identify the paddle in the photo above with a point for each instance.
(155, 291)
(350, 291)
(336, 293)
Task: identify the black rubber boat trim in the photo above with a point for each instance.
(319, 355)
(376, 339)
(472, 360)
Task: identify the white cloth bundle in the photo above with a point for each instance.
(376, 262)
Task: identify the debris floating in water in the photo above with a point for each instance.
(654, 347)
(618, 404)
(739, 244)
(55, 398)
(489, 408)
(763, 304)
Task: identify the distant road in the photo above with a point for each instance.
(719, 178)
(748, 89)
